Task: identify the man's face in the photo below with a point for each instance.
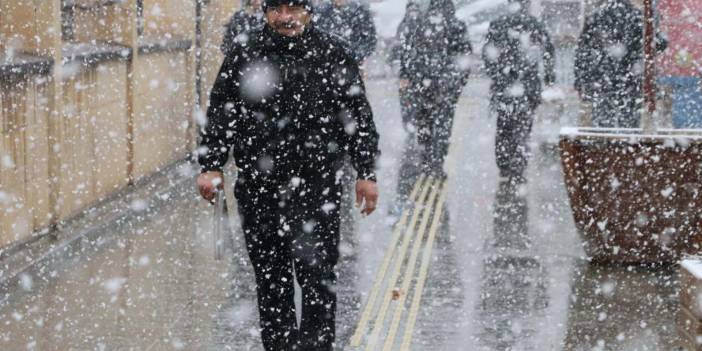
(288, 20)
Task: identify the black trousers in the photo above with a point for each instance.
(408, 108)
(436, 107)
(514, 122)
(293, 231)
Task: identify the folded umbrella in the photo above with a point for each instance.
(220, 224)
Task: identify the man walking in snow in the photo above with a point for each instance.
(609, 64)
(435, 69)
(516, 44)
(289, 104)
(402, 52)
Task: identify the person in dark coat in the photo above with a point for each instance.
(516, 45)
(400, 53)
(609, 64)
(243, 22)
(288, 105)
(434, 71)
(352, 21)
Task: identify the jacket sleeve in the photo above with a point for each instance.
(462, 47)
(549, 56)
(361, 133)
(491, 52)
(396, 50)
(407, 47)
(223, 117)
(368, 39)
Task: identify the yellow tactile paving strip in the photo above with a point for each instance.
(388, 292)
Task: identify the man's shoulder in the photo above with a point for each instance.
(503, 21)
(332, 44)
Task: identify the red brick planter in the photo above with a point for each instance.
(690, 313)
(635, 198)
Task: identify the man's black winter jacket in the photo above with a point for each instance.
(515, 45)
(437, 48)
(289, 107)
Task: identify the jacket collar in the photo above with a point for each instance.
(299, 45)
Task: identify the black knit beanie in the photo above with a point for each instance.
(273, 3)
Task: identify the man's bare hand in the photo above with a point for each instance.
(366, 195)
(208, 183)
(404, 84)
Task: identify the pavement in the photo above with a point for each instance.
(472, 263)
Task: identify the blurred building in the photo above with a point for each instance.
(94, 95)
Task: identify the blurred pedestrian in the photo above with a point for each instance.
(609, 64)
(243, 22)
(289, 104)
(517, 44)
(401, 52)
(434, 71)
(352, 21)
